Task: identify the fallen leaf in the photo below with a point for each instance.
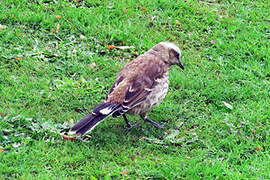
(177, 23)
(82, 37)
(2, 26)
(153, 18)
(228, 105)
(125, 10)
(58, 17)
(18, 58)
(258, 149)
(143, 9)
(124, 173)
(15, 145)
(111, 47)
(68, 138)
(124, 47)
(57, 28)
(71, 122)
(91, 66)
(2, 113)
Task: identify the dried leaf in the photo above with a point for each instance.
(124, 47)
(19, 58)
(57, 28)
(258, 149)
(15, 145)
(177, 23)
(111, 47)
(71, 122)
(82, 37)
(3, 27)
(228, 105)
(153, 18)
(143, 9)
(68, 138)
(74, 51)
(124, 173)
(58, 17)
(91, 66)
(125, 10)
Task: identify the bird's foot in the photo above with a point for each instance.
(130, 127)
(154, 123)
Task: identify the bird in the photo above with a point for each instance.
(140, 86)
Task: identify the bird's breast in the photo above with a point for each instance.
(154, 98)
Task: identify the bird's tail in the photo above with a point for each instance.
(93, 119)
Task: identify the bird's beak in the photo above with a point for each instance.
(180, 65)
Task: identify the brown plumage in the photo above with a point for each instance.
(140, 86)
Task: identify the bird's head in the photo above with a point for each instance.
(170, 52)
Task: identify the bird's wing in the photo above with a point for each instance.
(134, 84)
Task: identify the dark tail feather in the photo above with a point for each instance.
(92, 120)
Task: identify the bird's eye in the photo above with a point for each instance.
(176, 54)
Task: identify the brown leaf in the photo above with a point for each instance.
(57, 27)
(124, 173)
(143, 9)
(125, 10)
(111, 47)
(68, 138)
(258, 149)
(91, 66)
(58, 17)
(19, 58)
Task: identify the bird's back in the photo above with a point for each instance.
(137, 80)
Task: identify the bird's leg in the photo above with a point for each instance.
(129, 126)
(143, 116)
(127, 121)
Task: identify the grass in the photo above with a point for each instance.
(55, 67)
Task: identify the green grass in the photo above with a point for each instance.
(46, 79)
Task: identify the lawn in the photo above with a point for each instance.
(58, 61)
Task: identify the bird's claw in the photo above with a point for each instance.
(130, 127)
